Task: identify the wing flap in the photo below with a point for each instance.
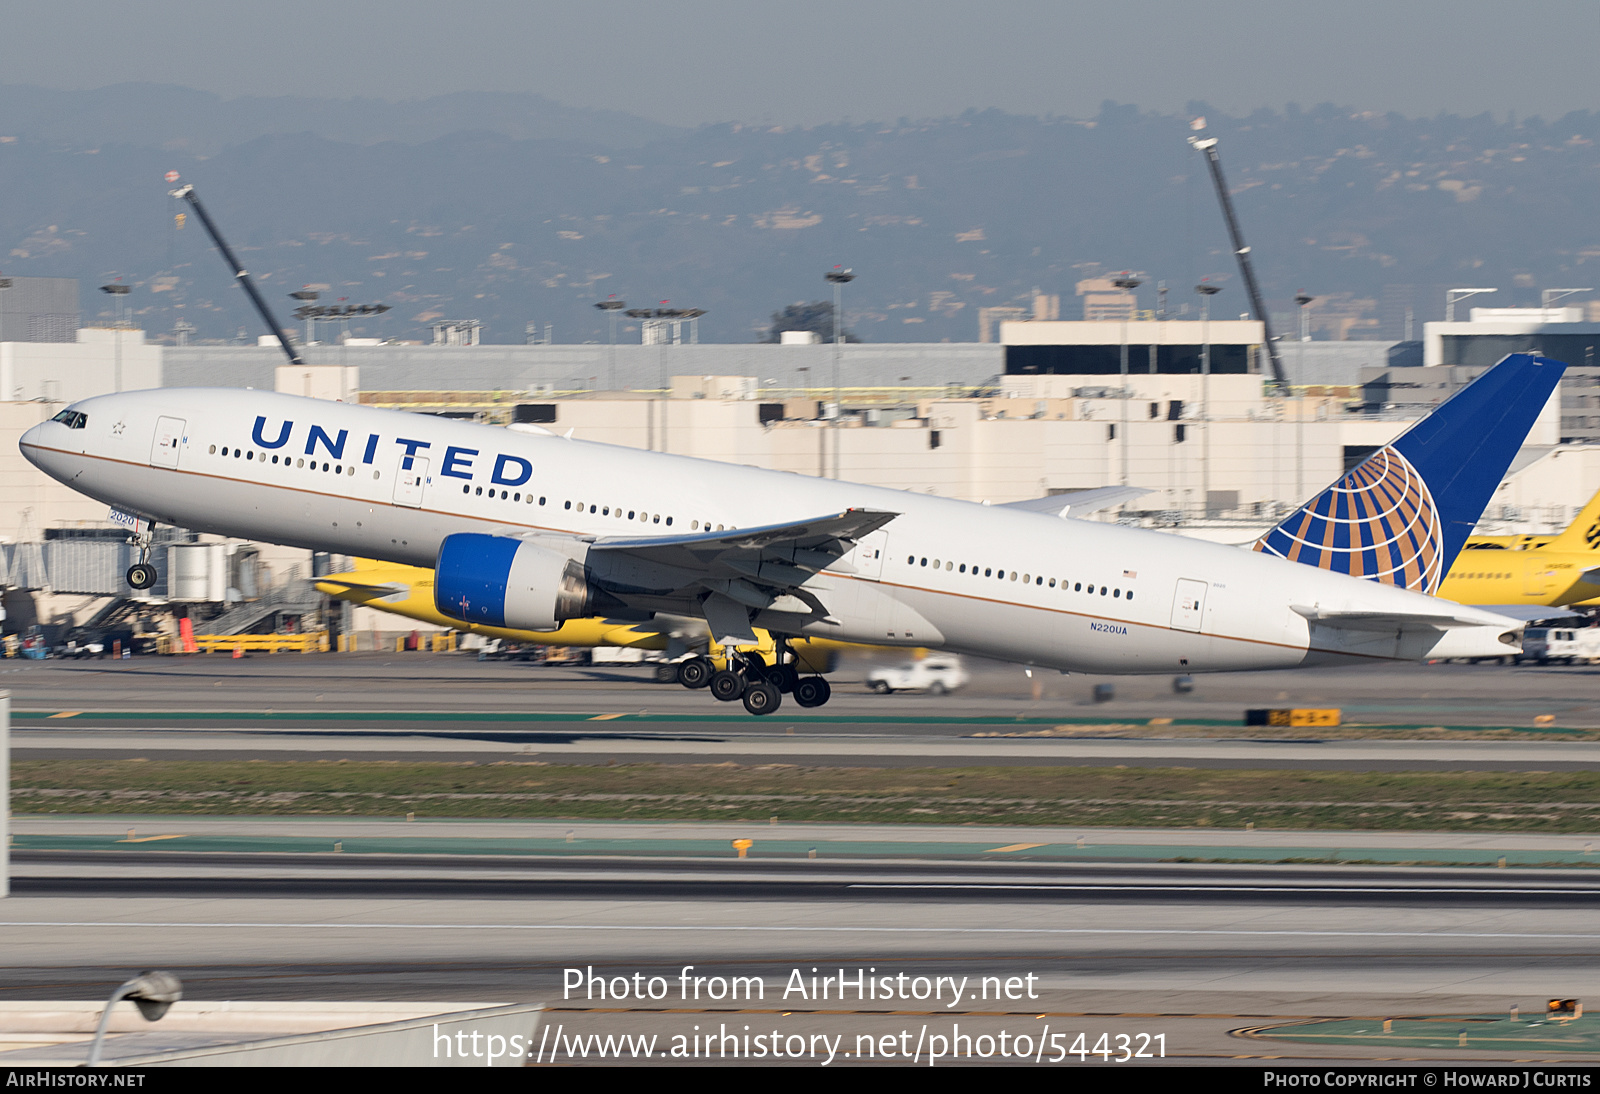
(732, 574)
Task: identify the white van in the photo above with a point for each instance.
(1574, 645)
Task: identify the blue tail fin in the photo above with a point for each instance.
(1403, 514)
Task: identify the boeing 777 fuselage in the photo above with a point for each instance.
(529, 529)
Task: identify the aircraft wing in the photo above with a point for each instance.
(745, 569)
(1079, 503)
(1389, 621)
(350, 590)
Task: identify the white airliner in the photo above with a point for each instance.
(527, 530)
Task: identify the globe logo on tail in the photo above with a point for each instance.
(1378, 522)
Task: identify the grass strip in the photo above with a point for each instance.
(1469, 800)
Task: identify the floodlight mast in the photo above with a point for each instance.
(1242, 253)
(187, 193)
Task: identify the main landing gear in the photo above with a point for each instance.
(750, 679)
(142, 575)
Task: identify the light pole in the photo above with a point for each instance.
(1206, 291)
(1451, 296)
(1550, 296)
(153, 992)
(116, 290)
(340, 313)
(307, 296)
(611, 306)
(1127, 284)
(838, 277)
(1300, 410)
(665, 324)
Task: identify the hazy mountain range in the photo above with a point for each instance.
(515, 209)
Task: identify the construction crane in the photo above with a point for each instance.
(1208, 145)
(187, 193)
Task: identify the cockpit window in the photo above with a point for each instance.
(72, 419)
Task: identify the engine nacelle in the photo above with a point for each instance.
(498, 581)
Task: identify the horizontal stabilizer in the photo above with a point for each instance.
(1526, 613)
(1389, 621)
(1079, 503)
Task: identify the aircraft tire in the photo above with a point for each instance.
(726, 686)
(141, 575)
(695, 673)
(881, 687)
(667, 673)
(812, 691)
(762, 698)
(790, 679)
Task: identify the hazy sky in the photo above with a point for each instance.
(808, 61)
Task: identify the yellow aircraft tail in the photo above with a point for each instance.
(1583, 534)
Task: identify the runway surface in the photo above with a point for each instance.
(385, 707)
(328, 841)
(1115, 941)
(1194, 954)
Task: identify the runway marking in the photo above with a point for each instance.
(1015, 847)
(1288, 889)
(606, 717)
(750, 929)
(150, 839)
(67, 714)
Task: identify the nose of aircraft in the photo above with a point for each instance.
(30, 442)
(37, 450)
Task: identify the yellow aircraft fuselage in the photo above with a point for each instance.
(1535, 570)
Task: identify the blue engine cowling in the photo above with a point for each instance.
(498, 581)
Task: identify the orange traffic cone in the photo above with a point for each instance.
(238, 652)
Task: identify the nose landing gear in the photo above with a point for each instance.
(142, 575)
